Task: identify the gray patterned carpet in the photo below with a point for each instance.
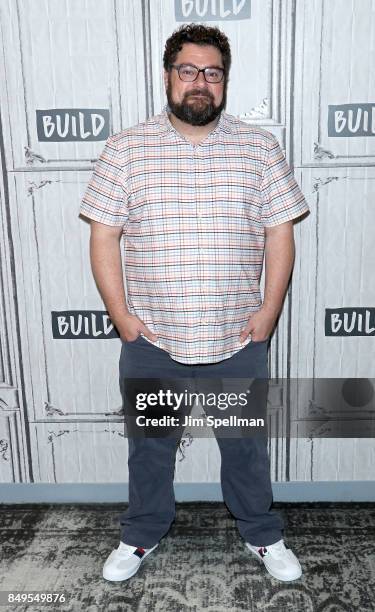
(202, 564)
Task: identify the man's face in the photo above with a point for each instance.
(196, 102)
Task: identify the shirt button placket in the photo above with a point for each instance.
(200, 234)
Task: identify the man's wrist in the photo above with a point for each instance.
(271, 309)
(117, 317)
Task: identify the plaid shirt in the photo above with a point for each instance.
(193, 220)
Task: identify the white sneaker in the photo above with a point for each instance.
(280, 561)
(124, 561)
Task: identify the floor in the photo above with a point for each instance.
(201, 564)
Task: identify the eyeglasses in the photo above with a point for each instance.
(190, 73)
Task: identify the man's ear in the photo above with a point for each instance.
(165, 79)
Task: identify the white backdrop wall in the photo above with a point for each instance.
(74, 71)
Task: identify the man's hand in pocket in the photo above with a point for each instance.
(131, 327)
(259, 325)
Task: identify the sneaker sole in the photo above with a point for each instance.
(278, 577)
(106, 576)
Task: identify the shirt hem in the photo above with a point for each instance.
(203, 360)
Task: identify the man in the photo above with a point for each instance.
(199, 197)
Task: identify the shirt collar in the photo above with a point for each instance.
(223, 125)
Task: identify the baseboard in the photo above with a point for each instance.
(344, 491)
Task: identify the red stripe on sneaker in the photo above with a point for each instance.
(139, 552)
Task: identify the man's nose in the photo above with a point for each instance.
(200, 79)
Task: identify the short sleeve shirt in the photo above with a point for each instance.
(193, 219)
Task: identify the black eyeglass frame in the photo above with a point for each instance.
(178, 66)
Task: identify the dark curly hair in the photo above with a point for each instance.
(199, 35)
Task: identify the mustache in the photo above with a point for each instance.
(199, 93)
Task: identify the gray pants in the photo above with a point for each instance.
(245, 468)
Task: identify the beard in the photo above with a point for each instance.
(195, 111)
